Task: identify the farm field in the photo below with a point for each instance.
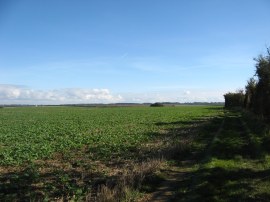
(125, 153)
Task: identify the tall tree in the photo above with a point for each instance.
(250, 91)
(262, 95)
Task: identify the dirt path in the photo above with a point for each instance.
(176, 174)
(166, 191)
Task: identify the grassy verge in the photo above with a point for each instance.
(235, 166)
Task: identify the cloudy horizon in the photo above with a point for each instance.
(16, 94)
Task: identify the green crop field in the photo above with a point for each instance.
(80, 153)
(28, 134)
(80, 140)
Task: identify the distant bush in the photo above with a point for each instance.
(156, 105)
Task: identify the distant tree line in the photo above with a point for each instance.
(256, 96)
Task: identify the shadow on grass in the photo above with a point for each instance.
(236, 139)
(187, 140)
(218, 108)
(218, 184)
(224, 181)
(185, 123)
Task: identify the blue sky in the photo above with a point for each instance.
(66, 51)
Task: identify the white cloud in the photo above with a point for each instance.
(14, 94)
(187, 92)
